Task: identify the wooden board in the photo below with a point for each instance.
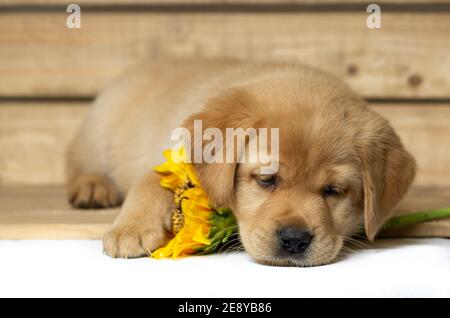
(33, 138)
(408, 57)
(42, 213)
(425, 131)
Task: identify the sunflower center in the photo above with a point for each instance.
(178, 216)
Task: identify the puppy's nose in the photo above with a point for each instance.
(294, 240)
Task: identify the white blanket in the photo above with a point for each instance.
(391, 268)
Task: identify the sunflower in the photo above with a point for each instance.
(198, 228)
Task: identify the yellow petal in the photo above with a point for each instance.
(194, 205)
(201, 235)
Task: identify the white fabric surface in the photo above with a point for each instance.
(391, 268)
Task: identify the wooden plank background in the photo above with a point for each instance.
(408, 57)
(43, 213)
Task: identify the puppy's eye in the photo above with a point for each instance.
(266, 181)
(331, 190)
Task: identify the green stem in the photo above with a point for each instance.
(417, 217)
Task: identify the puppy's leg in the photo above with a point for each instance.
(89, 190)
(88, 187)
(144, 222)
(92, 192)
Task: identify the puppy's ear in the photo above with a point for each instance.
(388, 170)
(229, 109)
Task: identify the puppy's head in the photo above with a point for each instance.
(341, 166)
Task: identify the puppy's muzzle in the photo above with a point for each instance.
(294, 240)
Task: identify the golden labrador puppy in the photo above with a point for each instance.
(341, 166)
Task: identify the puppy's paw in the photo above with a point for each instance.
(131, 242)
(93, 192)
